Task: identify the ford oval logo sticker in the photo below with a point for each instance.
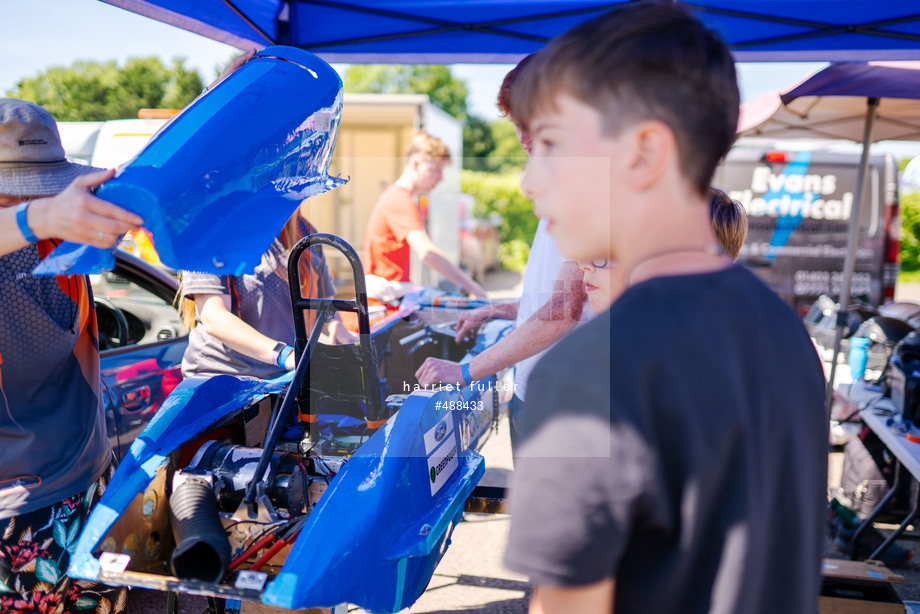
(440, 431)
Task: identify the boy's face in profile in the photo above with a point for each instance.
(569, 176)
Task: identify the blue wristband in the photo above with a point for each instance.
(23, 222)
(283, 355)
(465, 372)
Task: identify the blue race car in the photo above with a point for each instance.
(340, 482)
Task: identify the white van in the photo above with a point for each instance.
(107, 144)
(798, 206)
(120, 139)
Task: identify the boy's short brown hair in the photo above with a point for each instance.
(729, 221)
(424, 145)
(646, 60)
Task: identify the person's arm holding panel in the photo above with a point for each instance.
(73, 215)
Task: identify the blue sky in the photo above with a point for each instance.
(43, 33)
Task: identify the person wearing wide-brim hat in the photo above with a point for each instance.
(32, 166)
(55, 454)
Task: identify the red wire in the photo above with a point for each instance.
(252, 550)
(278, 545)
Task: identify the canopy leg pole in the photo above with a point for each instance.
(850, 262)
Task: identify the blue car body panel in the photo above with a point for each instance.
(195, 404)
(261, 140)
(378, 532)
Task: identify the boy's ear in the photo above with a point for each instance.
(653, 149)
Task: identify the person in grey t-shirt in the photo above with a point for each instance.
(243, 325)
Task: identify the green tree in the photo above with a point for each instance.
(183, 86)
(98, 91)
(492, 147)
(507, 155)
(444, 90)
(478, 144)
(910, 230)
(501, 193)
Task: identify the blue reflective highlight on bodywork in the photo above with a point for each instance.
(218, 182)
(75, 258)
(787, 223)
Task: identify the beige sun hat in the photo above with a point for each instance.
(32, 160)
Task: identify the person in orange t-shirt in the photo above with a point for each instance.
(395, 225)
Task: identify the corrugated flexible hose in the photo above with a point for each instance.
(202, 551)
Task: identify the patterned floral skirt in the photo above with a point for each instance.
(35, 551)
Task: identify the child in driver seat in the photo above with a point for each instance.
(243, 325)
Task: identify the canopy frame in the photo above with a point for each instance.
(435, 31)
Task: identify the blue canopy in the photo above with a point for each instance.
(864, 80)
(831, 104)
(451, 31)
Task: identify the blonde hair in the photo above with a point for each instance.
(289, 235)
(424, 145)
(185, 306)
(729, 221)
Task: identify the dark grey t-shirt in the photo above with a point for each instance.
(264, 302)
(686, 458)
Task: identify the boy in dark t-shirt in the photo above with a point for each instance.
(688, 465)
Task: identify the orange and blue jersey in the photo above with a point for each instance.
(53, 440)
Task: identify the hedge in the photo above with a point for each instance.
(910, 230)
(501, 193)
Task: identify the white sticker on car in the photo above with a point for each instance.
(114, 562)
(439, 432)
(442, 465)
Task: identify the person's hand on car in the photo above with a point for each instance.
(470, 321)
(339, 333)
(436, 371)
(480, 294)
